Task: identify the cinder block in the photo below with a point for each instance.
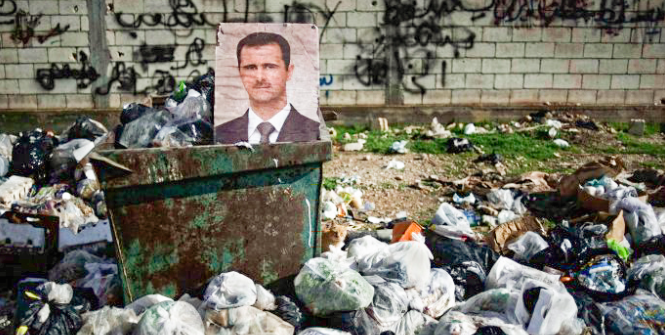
(129, 6)
(498, 34)
(466, 96)
(652, 81)
(556, 34)
(466, 65)
(22, 101)
(540, 50)
(523, 96)
(340, 98)
(451, 81)
(636, 127)
(639, 97)
(596, 81)
(121, 54)
(353, 50)
(639, 35)
(340, 66)
(496, 66)
(653, 51)
(555, 96)
(361, 19)
(525, 65)
(660, 68)
(351, 83)
(625, 81)
(19, 71)
(584, 66)
(254, 6)
(32, 55)
(527, 34)
(584, 97)
(642, 66)
(437, 97)
(479, 80)
(8, 56)
(9, 86)
(627, 51)
(331, 51)
(369, 36)
(372, 97)
(127, 38)
(567, 81)
(411, 98)
(4, 101)
(568, 50)
(44, 7)
(80, 101)
(50, 101)
(79, 7)
(31, 86)
(597, 50)
(371, 6)
(586, 35)
(611, 97)
(495, 97)
(484, 50)
(502, 81)
(509, 50)
(537, 81)
(61, 55)
(163, 37)
(159, 6)
(616, 36)
(344, 6)
(75, 39)
(554, 65)
(339, 35)
(2, 72)
(612, 66)
(73, 21)
(448, 51)
(110, 38)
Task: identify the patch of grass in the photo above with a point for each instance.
(548, 224)
(652, 165)
(650, 128)
(330, 183)
(515, 145)
(635, 145)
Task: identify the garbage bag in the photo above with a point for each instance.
(140, 132)
(439, 295)
(72, 266)
(142, 304)
(99, 205)
(51, 313)
(4, 166)
(205, 85)
(566, 249)
(501, 198)
(322, 331)
(407, 263)
(649, 272)
(498, 303)
(109, 321)
(288, 311)
(641, 313)
(527, 245)
(389, 304)
(640, 219)
(30, 154)
(458, 323)
(469, 278)
(544, 309)
(228, 290)
(133, 111)
(170, 318)
(604, 276)
(363, 246)
(355, 322)
(412, 323)
(103, 279)
(191, 122)
(85, 128)
(457, 145)
(449, 216)
(510, 274)
(449, 251)
(245, 320)
(326, 287)
(6, 146)
(64, 158)
(265, 300)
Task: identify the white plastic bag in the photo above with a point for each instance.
(439, 295)
(364, 246)
(457, 323)
(140, 305)
(553, 309)
(170, 318)
(245, 320)
(412, 323)
(448, 215)
(407, 263)
(102, 278)
(496, 303)
(649, 272)
(322, 331)
(389, 304)
(326, 287)
(58, 293)
(507, 273)
(265, 300)
(640, 219)
(108, 321)
(501, 198)
(527, 245)
(228, 290)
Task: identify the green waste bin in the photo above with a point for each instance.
(185, 215)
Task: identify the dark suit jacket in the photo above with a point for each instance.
(296, 128)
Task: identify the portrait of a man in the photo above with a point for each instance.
(265, 66)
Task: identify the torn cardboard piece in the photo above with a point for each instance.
(499, 238)
(608, 166)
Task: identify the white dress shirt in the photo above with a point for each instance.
(277, 121)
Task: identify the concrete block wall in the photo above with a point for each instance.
(85, 54)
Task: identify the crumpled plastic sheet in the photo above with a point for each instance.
(547, 312)
(109, 321)
(228, 290)
(103, 279)
(140, 132)
(406, 263)
(501, 198)
(412, 323)
(448, 215)
(72, 266)
(507, 273)
(363, 246)
(649, 272)
(640, 219)
(439, 295)
(265, 300)
(85, 128)
(389, 304)
(326, 287)
(604, 276)
(497, 303)
(457, 323)
(245, 320)
(170, 318)
(641, 313)
(527, 245)
(357, 322)
(191, 124)
(288, 311)
(140, 305)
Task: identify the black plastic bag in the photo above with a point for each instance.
(457, 145)
(567, 250)
(604, 276)
(490, 330)
(491, 158)
(205, 85)
(63, 319)
(356, 322)
(469, 278)
(288, 311)
(448, 251)
(30, 154)
(134, 111)
(86, 128)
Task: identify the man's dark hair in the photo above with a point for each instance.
(259, 39)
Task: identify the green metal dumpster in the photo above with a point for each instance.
(187, 214)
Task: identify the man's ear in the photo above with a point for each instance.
(290, 71)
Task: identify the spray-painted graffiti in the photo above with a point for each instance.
(326, 80)
(184, 14)
(84, 76)
(7, 10)
(306, 13)
(24, 29)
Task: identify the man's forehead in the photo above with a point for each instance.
(272, 48)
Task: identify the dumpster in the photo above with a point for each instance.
(185, 215)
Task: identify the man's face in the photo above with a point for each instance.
(263, 73)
